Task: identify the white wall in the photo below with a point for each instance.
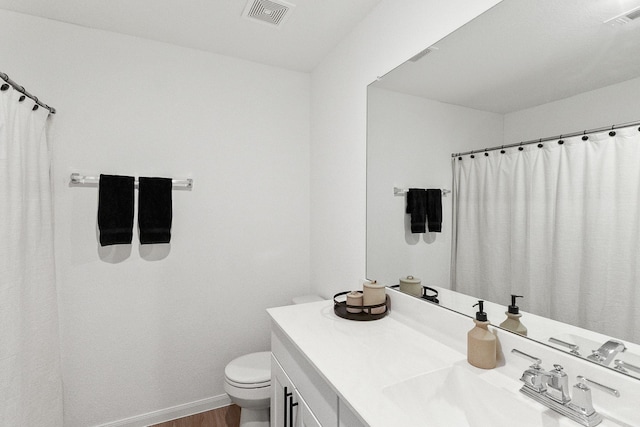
(393, 32)
(615, 104)
(409, 144)
(140, 331)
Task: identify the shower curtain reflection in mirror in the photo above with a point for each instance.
(30, 384)
(558, 224)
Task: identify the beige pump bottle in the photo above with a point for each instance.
(481, 343)
(512, 322)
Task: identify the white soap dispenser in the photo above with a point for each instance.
(482, 344)
(512, 322)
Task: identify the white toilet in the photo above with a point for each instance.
(247, 381)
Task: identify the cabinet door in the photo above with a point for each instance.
(316, 392)
(283, 410)
(288, 408)
(305, 417)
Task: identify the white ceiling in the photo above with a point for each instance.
(313, 29)
(524, 53)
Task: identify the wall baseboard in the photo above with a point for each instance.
(173, 412)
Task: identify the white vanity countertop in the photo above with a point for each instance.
(359, 359)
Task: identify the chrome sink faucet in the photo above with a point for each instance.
(607, 351)
(552, 390)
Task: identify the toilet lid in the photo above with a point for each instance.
(254, 368)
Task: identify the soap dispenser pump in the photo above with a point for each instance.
(512, 322)
(481, 343)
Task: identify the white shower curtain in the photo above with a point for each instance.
(30, 384)
(558, 224)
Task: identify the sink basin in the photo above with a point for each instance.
(456, 396)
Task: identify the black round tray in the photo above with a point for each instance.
(340, 308)
(433, 297)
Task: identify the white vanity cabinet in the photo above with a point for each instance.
(288, 408)
(300, 396)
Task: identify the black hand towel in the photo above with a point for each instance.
(154, 210)
(115, 209)
(434, 209)
(417, 207)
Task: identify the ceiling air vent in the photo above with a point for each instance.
(272, 12)
(422, 54)
(624, 18)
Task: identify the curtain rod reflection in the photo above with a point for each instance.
(551, 138)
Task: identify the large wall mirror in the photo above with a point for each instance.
(521, 71)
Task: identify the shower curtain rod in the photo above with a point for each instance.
(23, 91)
(551, 138)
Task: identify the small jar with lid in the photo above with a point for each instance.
(374, 294)
(411, 285)
(354, 300)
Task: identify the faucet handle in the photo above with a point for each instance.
(606, 389)
(536, 361)
(625, 367)
(574, 349)
(534, 377)
(582, 401)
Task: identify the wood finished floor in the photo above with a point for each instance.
(228, 416)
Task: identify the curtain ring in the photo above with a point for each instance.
(560, 141)
(520, 148)
(502, 149)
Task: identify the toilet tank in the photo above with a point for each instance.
(303, 299)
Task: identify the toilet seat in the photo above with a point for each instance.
(249, 371)
(248, 385)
